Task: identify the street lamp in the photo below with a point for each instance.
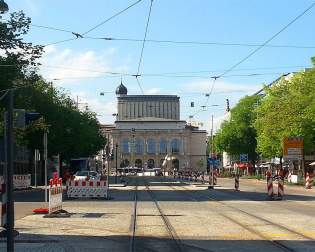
(3, 7)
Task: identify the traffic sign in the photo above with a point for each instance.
(244, 157)
(293, 148)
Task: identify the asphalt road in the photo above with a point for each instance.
(165, 214)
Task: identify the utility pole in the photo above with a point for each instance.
(211, 186)
(45, 161)
(9, 172)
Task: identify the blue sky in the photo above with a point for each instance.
(79, 65)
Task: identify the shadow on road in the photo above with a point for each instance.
(71, 243)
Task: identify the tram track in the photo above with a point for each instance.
(178, 246)
(275, 243)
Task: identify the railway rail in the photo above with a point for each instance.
(275, 243)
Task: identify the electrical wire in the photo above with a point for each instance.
(142, 48)
(197, 42)
(110, 18)
(268, 40)
(165, 73)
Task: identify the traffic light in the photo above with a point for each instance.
(192, 104)
(227, 105)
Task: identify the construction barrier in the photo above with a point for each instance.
(269, 185)
(237, 182)
(215, 175)
(87, 189)
(4, 200)
(309, 181)
(280, 187)
(55, 195)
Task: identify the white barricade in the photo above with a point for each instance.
(55, 195)
(293, 179)
(87, 189)
(21, 181)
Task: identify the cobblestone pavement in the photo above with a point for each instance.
(173, 215)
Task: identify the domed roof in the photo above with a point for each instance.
(121, 90)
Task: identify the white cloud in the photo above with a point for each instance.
(220, 86)
(69, 66)
(104, 110)
(153, 91)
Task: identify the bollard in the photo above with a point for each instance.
(269, 185)
(215, 178)
(237, 182)
(281, 184)
(309, 181)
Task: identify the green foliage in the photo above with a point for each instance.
(72, 133)
(287, 110)
(237, 135)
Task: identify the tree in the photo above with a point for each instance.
(287, 110)
(237, 135)
(72, 133)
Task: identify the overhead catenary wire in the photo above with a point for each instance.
(199, 42)
(81, 35)
(268, 40)
(142, 48)
(110, 18)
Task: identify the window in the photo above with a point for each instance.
(175, 146)
(125, 145)
(139, 146)
(150, 163)
(151, 146)
(163, 146)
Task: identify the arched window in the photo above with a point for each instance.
(150, 163)
(163, 146)
(175, 164)
(175, 146)
(151, 146)
(139, 146)
(138, 163)
(124, 163)
(125, 146)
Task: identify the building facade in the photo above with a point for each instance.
(148, 133)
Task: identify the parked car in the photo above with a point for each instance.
(87, 175)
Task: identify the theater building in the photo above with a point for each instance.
(148, 133)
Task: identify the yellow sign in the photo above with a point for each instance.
(293, 148)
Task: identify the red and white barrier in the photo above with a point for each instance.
(215, 175)
(280, 187)
(309, 181)
(4, 200)
(55, 195)
(269, 185)
(87, 189)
